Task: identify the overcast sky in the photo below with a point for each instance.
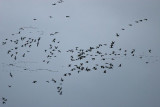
(91, 22)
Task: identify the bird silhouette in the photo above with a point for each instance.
(120, 65)
(15, 58)
(65, 74)
(136, 21)
(11, 75)
(34, 81)
(23, 55)
(3, 102)
(147, 62)
(9, 51)
(145, 19)
(60, 93)
(117, 34)
(62, 79)
(54, 4)
(54, 80)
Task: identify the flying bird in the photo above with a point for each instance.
(62, 79)
(145, 19)
(136, 21)
(34, 81)
(53, 80)
(120, 65)
(117, 34)
(11, 74)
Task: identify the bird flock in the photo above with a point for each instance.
(81, 60)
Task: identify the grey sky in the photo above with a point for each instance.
(91, 22)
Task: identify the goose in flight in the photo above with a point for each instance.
(60, 93)
(60, 1)
(69, 65)
(3, 102)
(53, 80)
(136, 21)
(117, 34)
(147, 62)
(62, 79)
(54, 4)
(23, 55)
(9, 51)
(11, 74)
(34, 81)
(15, 58)
(65, 74)
(120, 65)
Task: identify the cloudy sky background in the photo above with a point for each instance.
(91, 22)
